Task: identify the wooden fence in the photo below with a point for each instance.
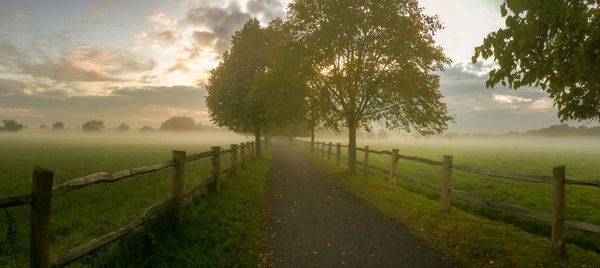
(558, 180)
(42, 193)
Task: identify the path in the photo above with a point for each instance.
(313, 222)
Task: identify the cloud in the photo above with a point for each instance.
(204, 38)
(81, 64)
(504, 98)
(160, 18)
(11, 87)
(542, 104)
(181, 66)
(221, 22)
(123, 104)
(501, 109)
(98, 7)
(268, 9)
(167, 36)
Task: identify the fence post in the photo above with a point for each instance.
(393, 167)
(558, 211)
(323, 150)
(216, 168)
(41, 199)
(366, 160)
(177, 184)
(446, 183)
(242, 155)
(338, 154)
(329, 152)
(248, 151)
(233, 159)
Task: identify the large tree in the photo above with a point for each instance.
(178, 123)
(10, 125)
(553, 44)
(93, 125)
(372, 60)
(257, 87)
(233, 99)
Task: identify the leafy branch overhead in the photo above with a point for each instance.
(553, 44)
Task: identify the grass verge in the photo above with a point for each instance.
(219, 230)
(471, 240)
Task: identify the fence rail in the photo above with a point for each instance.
(558, 181)
(43, 192)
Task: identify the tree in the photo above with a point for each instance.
(123, 127)
(283, 84)
(372, 60)
(233, 99)
(42, 126)
(179, 124)
(58, 126)
(382, 134)
(93, 125)
(10, 125)
(553, 44)
(146, 129)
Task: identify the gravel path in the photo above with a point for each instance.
(311, 221)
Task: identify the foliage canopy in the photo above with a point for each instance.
(372, 61)
(553, 44)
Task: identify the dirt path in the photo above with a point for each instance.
(313, 222)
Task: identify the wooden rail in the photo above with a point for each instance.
(43, 193)
(558, 181)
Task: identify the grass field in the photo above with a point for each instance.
(220, 230)
(95, 210)
(530, 156)
(468, 239)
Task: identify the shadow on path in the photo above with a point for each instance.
(313, 222)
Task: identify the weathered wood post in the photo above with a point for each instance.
(248, 151)
(366, 160)
(233, 159)
(41, 199)
(323, 150)
(393, 167)
(177, 184)
(338, 154)
(558, 211)
(242, 155)
(329, 152)
(446, 183)
(215, 161)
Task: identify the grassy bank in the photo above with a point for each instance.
(218, 230)
(472, 240)
(529, 156)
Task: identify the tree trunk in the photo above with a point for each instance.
(257, 141)
(351, 148)
(312, 139)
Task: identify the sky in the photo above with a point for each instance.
(141, 62)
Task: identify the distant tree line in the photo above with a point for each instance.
(171, 124)
(562, 130)
(10, 125)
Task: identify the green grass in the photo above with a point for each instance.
(473, 241)
(219, 230)
(581, 157)
(95, 210)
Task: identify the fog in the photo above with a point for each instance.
(129, 137)
(572, 143)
